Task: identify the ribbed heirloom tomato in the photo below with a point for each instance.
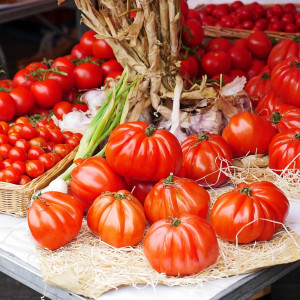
(173, 196)
(93, 177)
(204, 156)
(118, 218)
(138, 151)
(54, 219)
(249, 212)
(181, 246)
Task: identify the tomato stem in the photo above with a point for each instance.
(265, 76)
(175, 222)
(203, 136)
(246, 190)
(297, 136)
(295, 63)
(169, 180)
(150, 130)
(276, 116)
(120, 196)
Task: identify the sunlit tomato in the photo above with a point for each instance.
(284, 151)
(138, 151)
(182, 246)
(62, 108)
(93, 177)
(47, 160)
(23, 179)
(56, 136)
(28, 132)
(7, 107)
(35, 152)
(34, 168)
(251, 205)
(22, 78)
(63, 61)
(193, 33)
(5, 126)
(22, 143)
(283, 74)
(20, 166)
(46, 93)
(87, 41)
(118, 218)
(56, 157)
(111, 65)
(38, 141)
(78, 52)
(10, 175)
(6, 163)
(54, 219)
(23, 99)
(216, 62)
(64, 76)
(3, 139)
(61, 149)
(88, 76)
(269, 103)
(174, 196)
(248, 133)
(204, 157)
(102, 50)
(73, 141)
(13, 137)
(17, 153)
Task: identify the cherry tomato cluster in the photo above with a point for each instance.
(28, 150)
(253, 16)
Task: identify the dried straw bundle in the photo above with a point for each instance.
(89, 267)
(149, 45)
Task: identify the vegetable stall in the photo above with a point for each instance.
(156, 152)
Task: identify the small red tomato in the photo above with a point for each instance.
(17, 153)
(62, 108)
(34, 168)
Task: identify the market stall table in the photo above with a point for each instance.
(19, 260)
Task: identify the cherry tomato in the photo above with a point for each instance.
(28, 132)
(47, 160)
(23, 180)
(78, 52)
(240, 58)
(38, 141)
(20, 166)
(22, 143)
(35, 66)
(218, 44)
(3, 139)
(216, 62)
(73, 141)
(34, 168)
(35, 152)
(102, 50)
(56, 136)
(5, 126)
(13, 137)
(87, 41)
(10, 175)
(110, 66)
(193, 33)
(62, 108)
(17, 153)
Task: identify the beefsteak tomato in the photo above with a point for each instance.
(269, 103)
(93, 177)
(249, 212)
(138, 151)
(118, 218)
(54, 219)
(204, 156)
(183, 246)
(173, 196)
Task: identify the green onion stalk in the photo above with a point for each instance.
(112, 113)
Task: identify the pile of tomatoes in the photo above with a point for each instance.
(27, 150)
(253, 16)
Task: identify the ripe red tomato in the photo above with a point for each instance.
(17, 153)
(111, 65)
(47, 160)
(190, 241)
(118, 218)
(255, 68)
(3, 139)
(35, 152)
(174, 196)
(64, 76)
(88, 76)
(28, 132)
(193, 33)
(22, 78)
(284, 49)
(87, 41)
(23, 180)
(10, 175)
(113, 76)
(138, 151)
(20, 166)
(46, 93)
(204, 156)
(248, 133)
(218, 44)
(102, 50)
(62, 150)
(54, 219)
(78, 52)
(233, 213)
(7, 107)
(23, 99)
(93, 177)
(34, 168)
(63, 61)
(140, 189)
(283, 74)
(62, 108)
(216, 62)
(284, 151)
(240, 58)
(269, 103)
(34, 66)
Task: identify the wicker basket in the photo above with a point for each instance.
(216, 32)
(15, 199)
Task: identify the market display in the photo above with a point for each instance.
(148, 127)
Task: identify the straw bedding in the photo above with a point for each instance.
(89, 267)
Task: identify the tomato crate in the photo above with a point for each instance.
(15, 199)
(217, 31)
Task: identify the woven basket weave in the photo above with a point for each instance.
(15, 199)
(216, 32)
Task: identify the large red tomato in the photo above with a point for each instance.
(23, 100)
(93, 177)
(183, 246)
(204, 156)
(54, 219)
(118, 218)
(138, 151)
(269, 103)
(285, 117)
(102, 50)
(249, 212)
(284, 151)
(173, 196)
(285, 80)
(248, 133)
(7, 107)
(286, 48)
